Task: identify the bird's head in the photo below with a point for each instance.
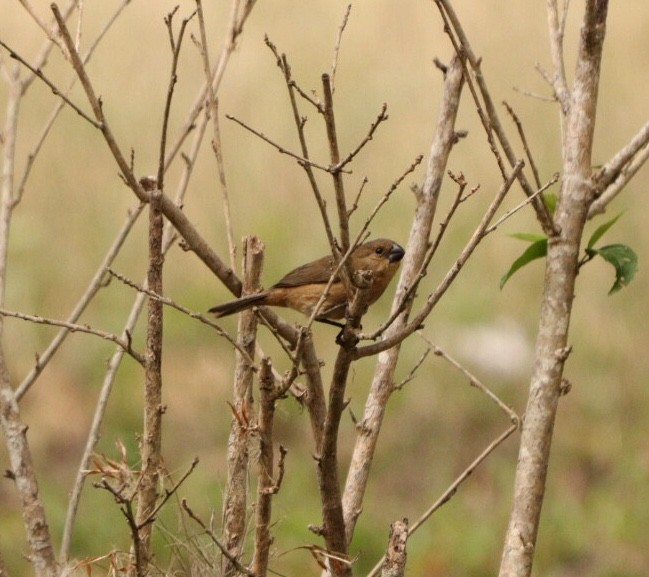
(381, 256)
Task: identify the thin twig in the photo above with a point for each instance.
(610, 171)
(51, 85)
(615, 187)
(282, 63)
(60, 104)
(168, 493)
(450, 276)
(523, 203)
(176, 44)
(213, 107)
(448, 494)
(488, 113)
(278, 147)
(206, 320)
(354, 206)
(339, 188)
(384, 199)
(475, 382)
(521, 134)
(382, 117)
(94, 286)
(413, 371)
(94, 432)
(125, 344)
(241, 568)
(339, 37)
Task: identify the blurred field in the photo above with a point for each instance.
(595, 518)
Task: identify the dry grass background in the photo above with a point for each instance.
(595, 518)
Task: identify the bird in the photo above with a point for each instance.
(302, 288)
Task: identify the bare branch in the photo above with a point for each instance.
(395, 559)
(488, 114)
(151, 445)
(243, 570)
(265, 480)
(448, 494)
(38, 73)
(22, 473)
(611, 178)
(528, 152)
(556, 27)
(301, 160)
(125, 344)
(382, 117)
(380, 390)
(334, 155)
(433, 298)
(95, 285)
(562, 259)
(213, 107)
(475, 382)
(339, 37)
(238, 469)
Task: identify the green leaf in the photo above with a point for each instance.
(600, 231)
(538, 249)
(624, 260)
(528, 236)
(550, 200)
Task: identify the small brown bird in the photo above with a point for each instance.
(302, 288)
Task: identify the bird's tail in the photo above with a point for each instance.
(238, 305)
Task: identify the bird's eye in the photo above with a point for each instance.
(379, 250)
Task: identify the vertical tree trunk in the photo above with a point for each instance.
(235, 514)
(153, 408)
(552, 348)
(381, 388)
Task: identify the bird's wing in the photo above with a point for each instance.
(316, 272)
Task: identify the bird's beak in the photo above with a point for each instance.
(396, 253)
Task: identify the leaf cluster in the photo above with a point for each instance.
(621, 256)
